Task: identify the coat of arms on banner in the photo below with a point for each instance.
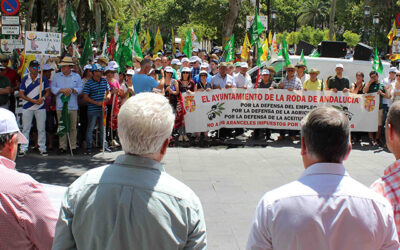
(190, 103)
(369, 103)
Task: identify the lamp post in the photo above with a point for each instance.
(274, 16)
(367, 12)
(375, 21)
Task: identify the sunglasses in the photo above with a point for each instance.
(185, 72)
(397, 75)
(203, 75)
(35, 67)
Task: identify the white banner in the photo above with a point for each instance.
(8, 45)
(43, 43)
(276, 109)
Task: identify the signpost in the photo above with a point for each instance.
(398, 19)
(10, 20)
(10, 7)
(250, 20)
(9, 30)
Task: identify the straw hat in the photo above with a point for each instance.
(290, 66)
(271, 69)
(103, 59)
(300, 64)
(311, 71)
(67, 61)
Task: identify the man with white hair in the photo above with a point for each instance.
(242, 79)
(133, 203)
(204, 66)
(195, 61)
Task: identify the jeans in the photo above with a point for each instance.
(94, 117)
(27, 116)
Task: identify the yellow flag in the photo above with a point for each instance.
(158, 43)
(270, 37)
(24, 63)
(146, 46)
(245, 48)
(265, 50)
(173, 42)
(393, 33)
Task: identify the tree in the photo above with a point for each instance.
(332, 20)
(230, 19)
(351, 38)
(314, 11)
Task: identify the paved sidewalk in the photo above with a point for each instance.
(229, 182)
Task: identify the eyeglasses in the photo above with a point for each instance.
(290, 70)
(185, 72)
(203, 75)
(397, 75)
(35, 67)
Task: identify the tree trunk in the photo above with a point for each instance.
(61, 9)
(97, 13)
(79, 17)
(230, 20)
(31, 3)
(332, 20)
(39, 15)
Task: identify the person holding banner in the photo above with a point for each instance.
(222, 80)
(313, 83)
(338, 83)
(242, 79)
(34, 90)
(67, 83)
(96, 92)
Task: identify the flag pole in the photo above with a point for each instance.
(41, 77)
(69, 143)
(104, 123)
(110, 119)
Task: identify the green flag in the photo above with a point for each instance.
(187, 49)
(315, 54)
(285, 52)
(137, 26)
(260, 51)
(256, 29)
(70, 27)
(377, 65)
(64, 125)
(152, 41)
(87, 51)
(230, 49)
(303, 61)
(136, 45)
(59, 25)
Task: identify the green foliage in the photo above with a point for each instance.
(351, 38)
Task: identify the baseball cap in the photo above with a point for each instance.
(34, 63)
(244, 65)
(186, 69)
(157, 58)
(194, 59)
(265, 72)
(8, 124)
(185, 59)
(169, 69)
(130, 72)
(223, 64)
(87, 66)
(237, 64)
(97, 67)
(203, 72)
(339, 65)
(196, 50)
(174, 61)
(47, 67)
(109, 68)
(113, 64)
(204, 65)
(392, 70)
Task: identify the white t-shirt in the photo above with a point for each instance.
(388, 83)
(241, 80)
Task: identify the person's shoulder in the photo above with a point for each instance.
(14, 181)
(286, 191)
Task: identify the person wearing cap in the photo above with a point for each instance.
(176, 66)
(237, 67)
(313, 83)
(5, 89)
(157, 62)
(242, 79)
(203, 85)
(169, 83)
(185, 63)
(67, 83)
(13, 77)
(300, 72)
(213, 67)
(202, 55)
(195, 61)
(103, 61)
(83, 106)
(231, 69)
(222, 80)
(33, 105)
(204, 67)
(141, 81)
(96, 92)
(339, 83)
(374, 86)
(290, 82)
(127, 86)
(388, 82)
(266, 81)
(27, 216)
(195, 52)
(272, 71)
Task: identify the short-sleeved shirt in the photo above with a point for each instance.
(196, 79)
(114, 84)
(12, 75)
(218, 81)
(374, 87)
(293, 83)
(143, 83)
(271, 83)
(200, 85)
(4, 83)
(310, 85)
(338, 83)
(241, 80)
(31, 89)
(96, 91)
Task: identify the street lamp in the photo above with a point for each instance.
(367, 12)
(375, 21)
(274, 16)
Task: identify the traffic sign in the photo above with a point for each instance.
(10, 20)
(10, 7)
(398, 19)
(9, 30)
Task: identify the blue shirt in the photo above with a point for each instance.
(96, 91)
(130, 204)
(31, 89)
(218, 81)
(196, 79)
(143, 83)
(72, 81)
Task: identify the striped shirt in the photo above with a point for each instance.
(96, 91)
(31, 89)
(389, 187)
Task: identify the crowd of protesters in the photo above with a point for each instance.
(100, 88)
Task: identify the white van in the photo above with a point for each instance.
(327, 66)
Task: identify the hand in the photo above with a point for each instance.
(106, 99)
(334, 90)
(99, 104)
(281, 85)
(114, 91)
(245, 87)
(208, 89)
(380, 92)
(228, 86)
(304, 89)
(290, 89)
(345, 90)
(40, 101)
(120, 92)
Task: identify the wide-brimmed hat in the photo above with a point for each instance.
(311, 71)
(67, 61)
(300, 64)
(103, 59)
(290, 66)
(271, 69)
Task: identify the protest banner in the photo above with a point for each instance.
(43, 43)
(275, 109)
(8, 45)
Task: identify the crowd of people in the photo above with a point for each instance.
(102, 86)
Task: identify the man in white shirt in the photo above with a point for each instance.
(325, 208)
(301, 72)
(242, 79)
(222, 79)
